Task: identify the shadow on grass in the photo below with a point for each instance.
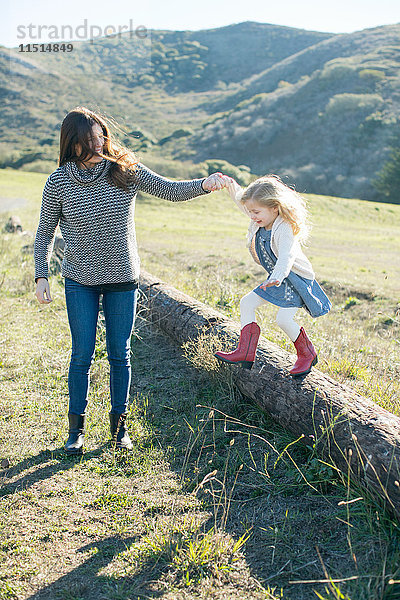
(244, 477)
(48, 469)
(287, 522)
(84, 581)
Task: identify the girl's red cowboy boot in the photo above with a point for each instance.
(246, 350)
(306, 355)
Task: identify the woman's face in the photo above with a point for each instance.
(96, 143)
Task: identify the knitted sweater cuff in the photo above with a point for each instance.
(203, 191)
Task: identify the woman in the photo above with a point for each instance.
(91, 196)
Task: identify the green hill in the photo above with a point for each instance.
(324, 116)
(316, 107)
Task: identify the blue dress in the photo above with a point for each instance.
(294, 291)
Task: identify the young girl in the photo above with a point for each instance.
(278, 227)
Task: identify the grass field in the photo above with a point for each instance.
(216, 501)
(199, 247)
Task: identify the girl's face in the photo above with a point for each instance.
(263, 215)
(96, 143)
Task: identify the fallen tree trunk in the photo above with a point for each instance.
(359, 436)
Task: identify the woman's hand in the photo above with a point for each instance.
(43, 291)
(214, 182)
(269, 283)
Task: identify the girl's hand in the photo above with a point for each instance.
(215, 181)
(43, 291)
(269, 283)
(228, 180)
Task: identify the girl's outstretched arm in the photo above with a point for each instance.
(236, 193)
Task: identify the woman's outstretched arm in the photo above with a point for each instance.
(176, 191)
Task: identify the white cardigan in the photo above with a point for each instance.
(284, 243)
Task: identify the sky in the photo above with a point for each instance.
(335, 16)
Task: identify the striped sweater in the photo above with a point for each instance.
(96, 219)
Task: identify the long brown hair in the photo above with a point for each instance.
(76, 129)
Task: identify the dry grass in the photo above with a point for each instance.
(215, 501)
(208, 505)
(358, 344)
(199, 247)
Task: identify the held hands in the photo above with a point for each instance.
(43, 291)
(269, 283)
(215, 181)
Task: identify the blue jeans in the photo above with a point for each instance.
(119, 310)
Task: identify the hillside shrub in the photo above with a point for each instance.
(147, 80)
(342, 103)
(41, 166)
(283, 84)
(241, 175)
(25, 158)
(335, 70)
(388, 181)
(178, 133)
(374, 74)
(256, 99)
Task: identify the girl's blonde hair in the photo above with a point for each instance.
(272, 192)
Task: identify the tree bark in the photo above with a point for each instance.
(360, 437)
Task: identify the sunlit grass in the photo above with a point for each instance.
(199, 247)
(212, 486)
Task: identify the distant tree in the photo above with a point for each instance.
(388, 180)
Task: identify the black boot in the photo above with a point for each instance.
(119, 432)
(76, 437)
